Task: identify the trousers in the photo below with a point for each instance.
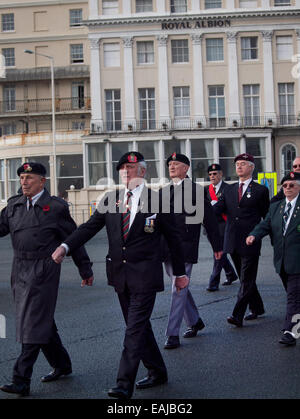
(54, 352)
(291, 283)
(182, 304)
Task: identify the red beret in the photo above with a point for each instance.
(244, 156)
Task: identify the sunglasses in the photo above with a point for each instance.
(288, 185)
(213, 174)
(295, 166)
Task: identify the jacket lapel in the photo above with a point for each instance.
(295, 218)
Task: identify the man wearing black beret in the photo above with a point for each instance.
(37, 223)
(245, 203)
(182, 303)
(214, 192)
(134, 267)
(283, 221)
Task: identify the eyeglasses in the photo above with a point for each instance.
(295, 166)
(288, 185)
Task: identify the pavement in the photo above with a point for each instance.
(222, 362)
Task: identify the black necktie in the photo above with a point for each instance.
(286, 216)
(126, 217)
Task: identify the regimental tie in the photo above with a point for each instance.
(126, 216)
(286, 217)
(241, 191)
(30, 204)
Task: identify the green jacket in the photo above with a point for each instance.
(286, 248)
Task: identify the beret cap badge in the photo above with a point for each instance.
(132, 158)
(27, 167)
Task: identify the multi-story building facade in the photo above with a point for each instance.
(210, 78)
(52, 31)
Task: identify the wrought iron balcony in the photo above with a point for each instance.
(44, 106)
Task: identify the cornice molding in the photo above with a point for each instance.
(41, 3)
(134, 20)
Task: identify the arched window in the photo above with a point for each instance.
(288, 154)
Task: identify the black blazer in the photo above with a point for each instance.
(190, 233)
(242, 217)
(221, 192)
(137, 262)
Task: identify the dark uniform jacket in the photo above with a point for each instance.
(135, 263)
(221, 220)
(243, 216)
(35, 234)
(190, 233)
(287, 247)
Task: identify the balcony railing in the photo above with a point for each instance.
(196, 124)
(40, 106)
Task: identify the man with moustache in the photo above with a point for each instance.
(283, 222)
(214, 192)
(134, 267)
(182, 303)
(245, 204)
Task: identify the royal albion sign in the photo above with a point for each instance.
(197, 24)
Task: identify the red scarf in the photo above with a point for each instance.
(215, 198)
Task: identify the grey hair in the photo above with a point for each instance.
(142, 165)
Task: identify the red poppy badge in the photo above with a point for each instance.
(46, 208)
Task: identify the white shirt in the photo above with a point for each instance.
(135, 199)
(246, 184)
(34, 198)
(293, 202)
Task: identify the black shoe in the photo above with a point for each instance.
(56, 374)
(234, 321)
(253, 316)
(151, 381)
(172, 342)
(230, 281)
(21, 389)
(288, 340)
(212, 289)
(191, 332)
(119, 393)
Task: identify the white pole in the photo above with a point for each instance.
(53, 124)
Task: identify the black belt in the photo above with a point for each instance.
(22, 254)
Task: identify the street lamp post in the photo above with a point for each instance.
(28, 51)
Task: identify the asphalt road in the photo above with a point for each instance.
(222, 362)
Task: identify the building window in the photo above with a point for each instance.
(249, 48)
(69, 171)
(118, 150)
(9, 55)
(216, 102)
(178, 6)
(110, 7)
(78, 125)
(284, 47)
(76, 53)
(213, 4)
(286, 103)
(9, 98)
(75, 17)
(257, 148)
(2, 180)
(113, 110)
(96, 162)
(9, 129)
(150, 151)
(282, 2)
(13, 178)
(228, 149)
(288, 155)
(214, 49)
(202, 152)
(248, 4)
(147, 108)
(8, 22)
(251, 104)
(180, 51)
(145, 52)
(181, 103)
(143, 6)
(78, 95)
(111, 53)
